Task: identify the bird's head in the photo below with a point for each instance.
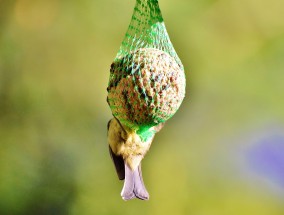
(144, 133)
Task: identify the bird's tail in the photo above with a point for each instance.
(133, 184)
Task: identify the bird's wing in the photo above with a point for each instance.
(118, 163)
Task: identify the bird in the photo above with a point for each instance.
(127, 150)
(146, 88)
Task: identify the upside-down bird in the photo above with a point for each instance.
(146, 88)
(127, 151)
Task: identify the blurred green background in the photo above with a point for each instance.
(54, 66)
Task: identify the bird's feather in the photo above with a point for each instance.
(118, 163)
(133, 184)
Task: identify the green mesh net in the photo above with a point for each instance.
(147, 30)
(147, 82)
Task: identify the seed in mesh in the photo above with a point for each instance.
(146, 87)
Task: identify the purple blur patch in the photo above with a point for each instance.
(266, 157)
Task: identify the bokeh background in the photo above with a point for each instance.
(221, 154)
